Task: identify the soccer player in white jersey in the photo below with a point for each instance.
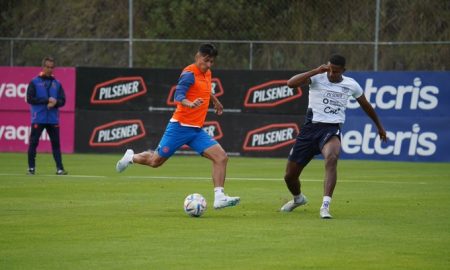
(329, 92)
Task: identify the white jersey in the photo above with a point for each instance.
(328, 100)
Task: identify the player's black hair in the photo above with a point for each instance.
(208, 49)
(337, 60)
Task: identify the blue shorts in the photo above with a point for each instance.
(177, 135)
(310, 141)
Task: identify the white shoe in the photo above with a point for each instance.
(125, 161)
(291, 205)
(226, 201)
(325, 213)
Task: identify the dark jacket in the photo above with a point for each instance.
(40, 89)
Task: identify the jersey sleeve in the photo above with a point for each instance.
(61, 99)
(357, 90)
(313, 80)
(185, 81)
(31, 95)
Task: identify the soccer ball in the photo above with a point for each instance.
(194, 205)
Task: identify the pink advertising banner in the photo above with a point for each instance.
(14, 82)
(15, 117)
(15, 131)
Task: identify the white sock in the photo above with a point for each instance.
(326, 202)
(218, 193)
(298, 198)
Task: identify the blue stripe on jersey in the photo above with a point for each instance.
(184, 82)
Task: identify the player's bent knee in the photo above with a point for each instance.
(220, 159)
(156, 163)
(223, 158)
(332, 158)
(290, 178)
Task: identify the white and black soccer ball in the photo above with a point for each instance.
(194, 205)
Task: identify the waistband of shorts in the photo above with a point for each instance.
(325, 124)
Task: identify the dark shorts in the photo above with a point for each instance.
(310, 141)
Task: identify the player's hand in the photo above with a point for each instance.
(323, 68)
(218, 108)
(196, 103)
(382, 134)
(51, 102)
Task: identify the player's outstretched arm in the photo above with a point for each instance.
(365, 105)
(304, 78)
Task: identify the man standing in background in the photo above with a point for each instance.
(45, 95)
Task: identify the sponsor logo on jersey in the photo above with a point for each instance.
(332, 102)
(271, 94)
(330, 110)
(398, 97)
(117, 133)
(337, 95)
(118, 90)
(271, 137)
(216, 90)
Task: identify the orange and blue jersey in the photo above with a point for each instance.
(185, 127)
(192, 84)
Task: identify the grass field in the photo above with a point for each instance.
(387, 215)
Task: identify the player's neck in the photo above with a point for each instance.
(336, 81)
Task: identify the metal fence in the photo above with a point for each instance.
(377, 42)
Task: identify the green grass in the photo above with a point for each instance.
(388, 215)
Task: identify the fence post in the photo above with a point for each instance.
(11, 52)
(130, 33)
(250, 62)
(377, 30)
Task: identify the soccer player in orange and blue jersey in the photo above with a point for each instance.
(192, 96)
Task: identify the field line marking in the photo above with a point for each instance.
(48, 175)
(269, 179)
(209, 178)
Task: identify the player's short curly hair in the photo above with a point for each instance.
(337, 60)
(208, 49)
